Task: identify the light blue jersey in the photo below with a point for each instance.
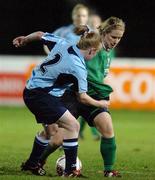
(67, 32)
(63, 67)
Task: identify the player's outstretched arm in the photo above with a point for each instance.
(23, 40)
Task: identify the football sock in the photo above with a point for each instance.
(108, 151)
(95, 132)
(82, 126)
(70, 147)
(47, 151)
(38, 147)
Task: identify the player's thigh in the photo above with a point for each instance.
(47, 108)
(69, 99)
(103, 122)
(68, 122)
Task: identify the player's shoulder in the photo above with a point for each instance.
(50, 37)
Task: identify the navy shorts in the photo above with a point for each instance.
(90, 112)
(46, 108)
(79, 109)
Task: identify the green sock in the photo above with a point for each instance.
(108, 151)
(48, 150)
(82, 125)
(94, 131)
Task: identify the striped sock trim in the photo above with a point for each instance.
(70, 140)
(39, 140)
(70, 143)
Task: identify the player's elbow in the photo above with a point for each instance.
(39, 34)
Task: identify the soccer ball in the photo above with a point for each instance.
(60, 165)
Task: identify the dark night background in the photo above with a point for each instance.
(19, 17)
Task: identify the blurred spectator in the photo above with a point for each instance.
(94, 21)
(80, 15)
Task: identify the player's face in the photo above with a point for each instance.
(111, 39)
(80, 17)
(94, 21)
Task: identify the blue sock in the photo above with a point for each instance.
(70, 148)
(39, 146)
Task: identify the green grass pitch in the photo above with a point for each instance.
(135, 135)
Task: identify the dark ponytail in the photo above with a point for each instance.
(81, 30)
(87, 39)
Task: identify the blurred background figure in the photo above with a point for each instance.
(94, 21)
(79, 16)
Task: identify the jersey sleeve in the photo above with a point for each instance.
(48, 37)
(50, 40)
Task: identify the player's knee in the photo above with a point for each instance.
(108, 133)
(104, 124)
(74, 126)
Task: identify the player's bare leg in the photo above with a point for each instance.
(103, 123)
(40, 143)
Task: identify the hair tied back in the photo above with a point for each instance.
(81, 30)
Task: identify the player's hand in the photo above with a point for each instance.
(104, 103)
(19, 41)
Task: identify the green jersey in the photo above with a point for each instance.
(98, 68)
